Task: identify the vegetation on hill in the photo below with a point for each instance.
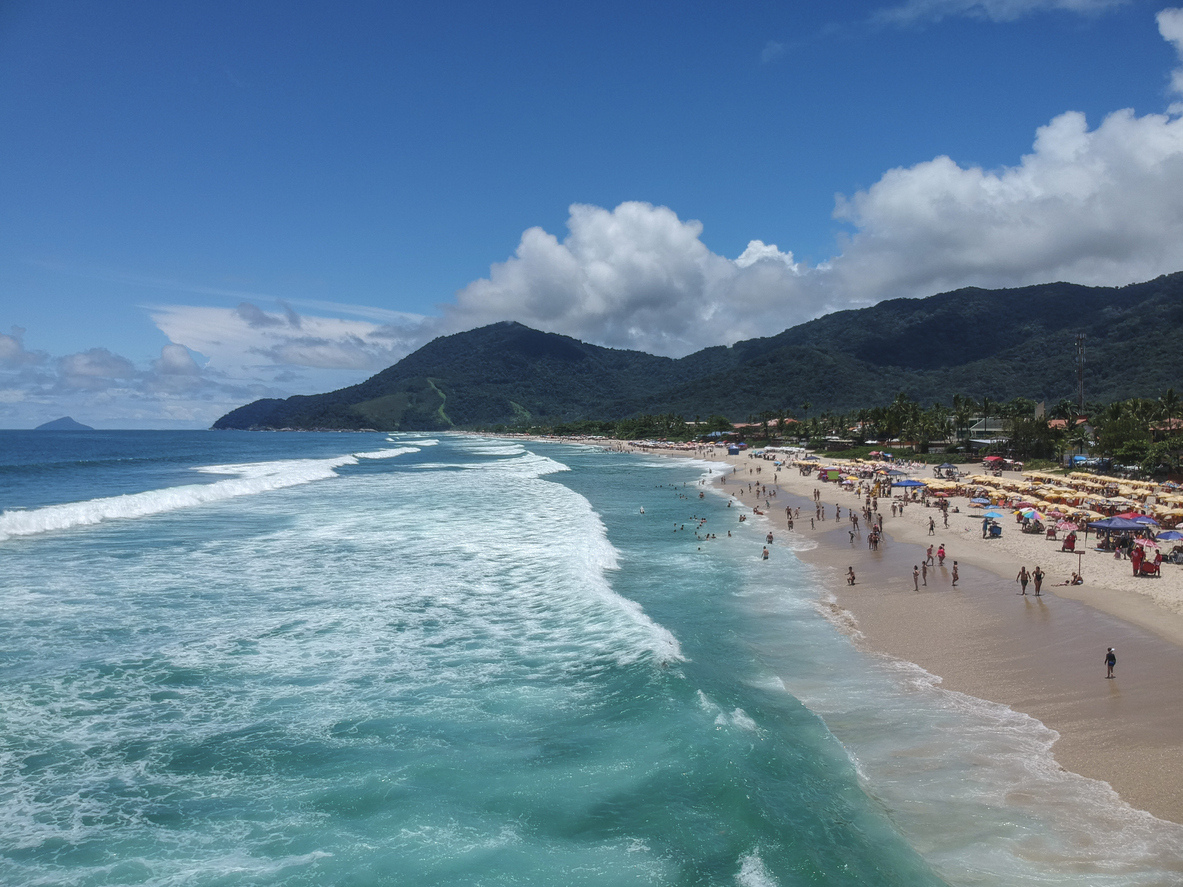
(987, 347)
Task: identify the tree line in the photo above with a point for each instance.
(1142, 432)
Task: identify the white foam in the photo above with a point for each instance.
(250, 479)
(753, 872)
(387, 454)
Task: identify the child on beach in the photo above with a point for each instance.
(955, 576)
(1110, 661)
(850, 575)
(941, 554)
(916, 576)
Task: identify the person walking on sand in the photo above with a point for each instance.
(932, 527)
(924, 573)
(1110, 661)
(941, 554)
(955, 575)
(1022, 579)
(931, 562)
(1037, 577)
(916, 576)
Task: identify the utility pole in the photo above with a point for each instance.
(1080, 368)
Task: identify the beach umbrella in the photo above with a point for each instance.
(1146, 543)
(1170, 536)
(993, 514)
(908, 483)
(1116, 523)
(1065, 525)
(979, 501)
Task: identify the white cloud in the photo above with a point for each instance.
(636, 276)
(1170, 25)
(1096, 206)
(13, 353)
(993, 10)
(248, 342)
(175, 360)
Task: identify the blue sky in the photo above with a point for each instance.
(206, 203)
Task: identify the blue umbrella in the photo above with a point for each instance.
(1169, 536)
(980, 501)
(991, 514)
(1145, 519)
(1117, 523)
(908, 483)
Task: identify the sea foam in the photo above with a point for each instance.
(249, 478)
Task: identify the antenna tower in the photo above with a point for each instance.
(1080, 369)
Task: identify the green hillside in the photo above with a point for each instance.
(999, 344)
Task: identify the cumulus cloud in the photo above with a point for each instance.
(636, 276)
(1091, 206)
(175, 360)
(13, 354)
(993, 10)
(1096, 206)
(96, 369)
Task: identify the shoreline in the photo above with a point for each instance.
(1042, 656)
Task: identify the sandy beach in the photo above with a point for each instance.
(1043, 656)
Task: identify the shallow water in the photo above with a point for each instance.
(232, 658)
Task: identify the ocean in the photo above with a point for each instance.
(233, 658)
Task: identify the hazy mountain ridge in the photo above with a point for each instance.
(995, 343)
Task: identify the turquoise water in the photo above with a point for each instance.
(240, 659)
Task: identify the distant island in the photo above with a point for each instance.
(65, 423)
(984, 345)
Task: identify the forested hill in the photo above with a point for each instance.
(999, 344)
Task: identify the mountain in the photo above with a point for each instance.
(999, 344)
(63, 424)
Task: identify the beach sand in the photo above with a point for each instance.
(1043, 656)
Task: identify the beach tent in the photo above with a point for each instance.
(733, 450)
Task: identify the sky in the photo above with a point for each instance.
(205, 203)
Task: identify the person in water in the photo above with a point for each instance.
(850, 575)
(765, 555)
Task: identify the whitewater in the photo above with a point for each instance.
(304, 659)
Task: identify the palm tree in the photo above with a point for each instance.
(1170, 406)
